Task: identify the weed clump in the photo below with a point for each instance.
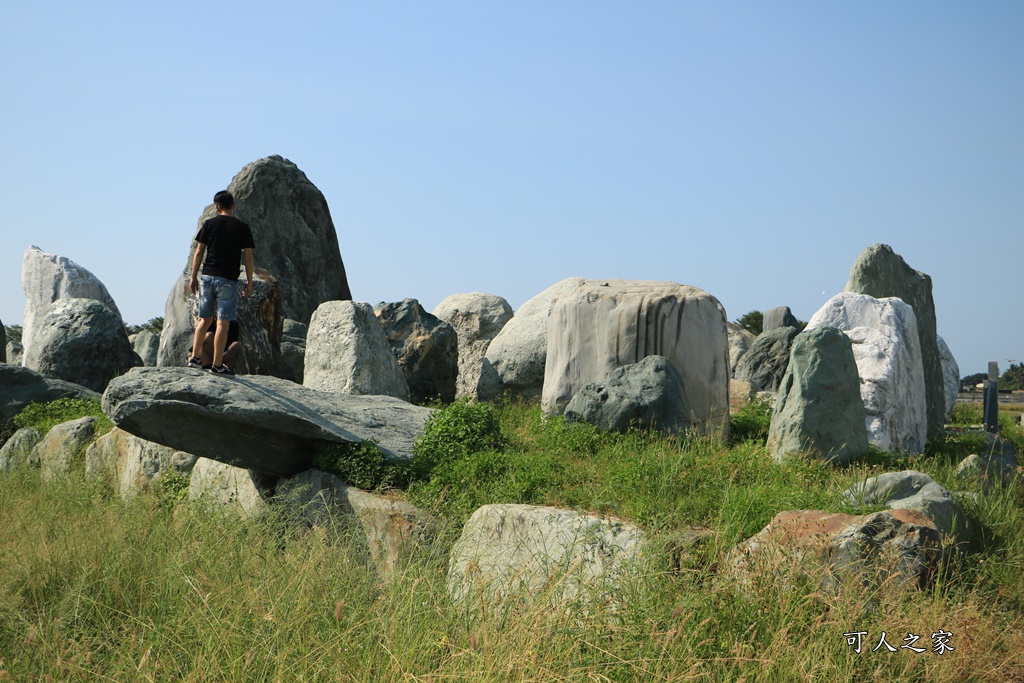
(44, 416)
(363, 465)
(455, 432)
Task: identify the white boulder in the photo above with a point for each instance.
(887, 349)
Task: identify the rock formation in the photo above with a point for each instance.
(648, 394)
(47, 278)
(880, 272)
(515, 358)
(477, 319)
(262, 423)
(293, 346)
(81, 341)
(146, 344)
(777, 317)
(133, 462)
(605, 324)
(347, 352)
(885, 345)
(764, 365)
(426, 349)
(819, 410)
(510, 552)
(740, 341)
(898, 546)
(950, 375)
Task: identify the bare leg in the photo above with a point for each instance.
(220, 339)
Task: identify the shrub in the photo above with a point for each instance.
(454, 432)
(362, 465)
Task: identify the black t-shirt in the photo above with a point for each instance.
(225, 237)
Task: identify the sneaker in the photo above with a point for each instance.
(195, 363)
(221, 370)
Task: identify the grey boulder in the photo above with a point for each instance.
(819, 410)
(777, 317)
(914, 491)
(146, 345)
(18, 449)
(764, 364)
(266, 424)
(426, 348)
(648, 394)
(477, 319)
(81, 341)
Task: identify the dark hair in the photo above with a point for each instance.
(223, 200)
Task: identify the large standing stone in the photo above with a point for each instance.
(520, 551)
(515, 358)
(296, 243)
(950, 375)
(605, 324)
(648, 394)
(885, 345)
(62, 446)
(764, 365)
(393, 528)
(47, 278)
(133, 462)
(146, 345)
(740, 341)
(20, 386)
(477, 319)
(426, 349)
(819, 410)
(902, 546)
(347, 352)
(880, 272)
(262, 423)
(81, 341)
(777, 317)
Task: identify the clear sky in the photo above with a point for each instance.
(752, 149)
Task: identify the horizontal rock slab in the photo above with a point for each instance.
(261, 423)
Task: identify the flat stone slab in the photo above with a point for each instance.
(262, 423)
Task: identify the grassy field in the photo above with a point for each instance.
(96, 589)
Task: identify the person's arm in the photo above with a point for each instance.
(193, 284)
(248, 272)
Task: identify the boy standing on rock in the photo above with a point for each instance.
(222, 240)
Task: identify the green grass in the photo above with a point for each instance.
(93, 588)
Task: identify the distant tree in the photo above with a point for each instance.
(752, 322)
(1013, 378)
(154, 325)
(973, 380)
(13, 332)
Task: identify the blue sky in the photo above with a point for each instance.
(751, 149)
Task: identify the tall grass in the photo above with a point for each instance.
(95, 589)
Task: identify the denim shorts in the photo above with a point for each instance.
(220, 292)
